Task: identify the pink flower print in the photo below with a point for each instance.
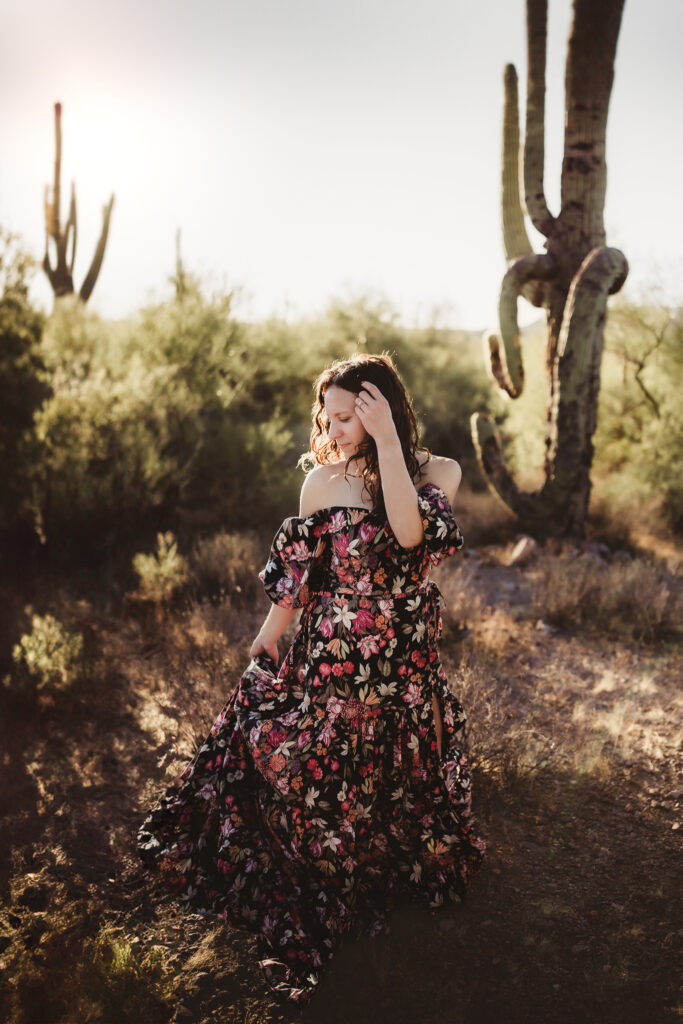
(338, 669)
(341, 544)
(364, 584)
(337, 522)
(327, 734)
(333, 708)
(413, 695)
(327, 628)
(368, 645)
(367, 532)
(300, 551)
(364, 620)
(324, 669)
(303, 739)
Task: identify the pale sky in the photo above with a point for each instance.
(311, 149)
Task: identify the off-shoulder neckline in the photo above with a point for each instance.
(364, 508)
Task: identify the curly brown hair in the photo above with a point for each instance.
(349, 374)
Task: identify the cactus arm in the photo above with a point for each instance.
(46, 258)
(504, 364)
(515, 239)
(72, 224)
(498, 477)
(54, 227)
(92, 275)
(534, 142)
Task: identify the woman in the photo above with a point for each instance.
(332, 785)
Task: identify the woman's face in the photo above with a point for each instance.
(343, 424)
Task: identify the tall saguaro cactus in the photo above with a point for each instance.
(61, 275)
(571, 280)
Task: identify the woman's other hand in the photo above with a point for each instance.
(265, 642)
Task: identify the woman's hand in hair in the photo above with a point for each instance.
(375, 414)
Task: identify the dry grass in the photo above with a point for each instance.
(632, 598)
(482, 517)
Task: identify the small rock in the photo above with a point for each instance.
(37, 929)
(523, 550)
(33, 896)
(203, 980)
(545, 626)
(622, 556)
(580, 947)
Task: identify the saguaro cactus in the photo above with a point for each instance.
(572, 280)
(61, 275)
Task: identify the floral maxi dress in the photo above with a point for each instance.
(318, 797)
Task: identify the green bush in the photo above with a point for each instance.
(47, 658)
(180, 417)
(161, 574)
(119, 982)
(640, 423)
(23, 383)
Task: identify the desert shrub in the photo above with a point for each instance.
(640, 424)
(23, 382)
(152, 417)
(163, 573)
(47, 658)
(118, 982)
(633, 599)
(226, 565)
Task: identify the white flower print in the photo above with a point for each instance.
(419, 631)
(343, 614)
(332, 840)
(311, 796)
(363, 674)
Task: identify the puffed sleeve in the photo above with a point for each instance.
(442, 535)
(293, 572)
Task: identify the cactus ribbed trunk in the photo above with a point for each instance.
(572, 280)
(61, 274)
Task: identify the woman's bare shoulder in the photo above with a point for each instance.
(315, 489)
(442, 471)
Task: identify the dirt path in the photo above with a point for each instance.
(575, 916)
